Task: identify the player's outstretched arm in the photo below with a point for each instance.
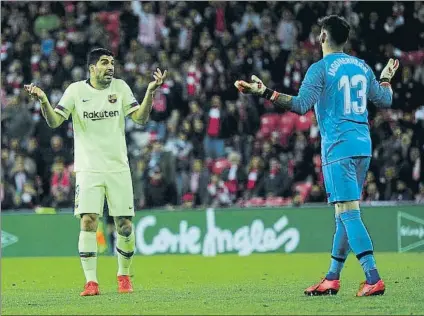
(53, 119)
(258, 88)
(141, 115)
(309, 93)
(381, 93)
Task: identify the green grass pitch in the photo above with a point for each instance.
(227, 284)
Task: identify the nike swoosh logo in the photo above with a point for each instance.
(85, 100)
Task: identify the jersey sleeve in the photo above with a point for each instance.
(129, 102)
(311, 88)
(67, 103)
(380, 94)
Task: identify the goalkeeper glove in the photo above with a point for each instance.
(389, 71)
(256, 87)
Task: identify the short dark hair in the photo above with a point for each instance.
(95, 54)
(337, 27)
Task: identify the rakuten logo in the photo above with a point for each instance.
(96, 116)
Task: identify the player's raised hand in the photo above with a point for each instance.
(256, 87)
(390, 69)
(35, 92)
(159, 80)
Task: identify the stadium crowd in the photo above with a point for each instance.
(205, 143)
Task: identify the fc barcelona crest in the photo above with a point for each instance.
(112, 98)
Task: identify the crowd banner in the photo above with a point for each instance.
(210, 232)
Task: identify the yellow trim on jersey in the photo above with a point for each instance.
(60, 112)
(133, 108)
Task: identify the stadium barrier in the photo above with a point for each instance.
(211, 232)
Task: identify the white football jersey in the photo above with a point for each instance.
(98, 118)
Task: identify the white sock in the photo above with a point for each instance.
(125, 247)
(87, 247)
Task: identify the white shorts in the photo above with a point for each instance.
(93, 187)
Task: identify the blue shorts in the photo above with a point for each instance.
(344, 178)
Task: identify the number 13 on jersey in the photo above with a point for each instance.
(358, 84)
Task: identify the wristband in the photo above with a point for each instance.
(267, 93)
(270, 94)
(385, 82)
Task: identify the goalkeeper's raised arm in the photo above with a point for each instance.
(309, 93)
(312, 87)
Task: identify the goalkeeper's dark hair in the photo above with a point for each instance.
(337, 27)
(95, 54)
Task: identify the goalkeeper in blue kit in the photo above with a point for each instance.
(339, 86)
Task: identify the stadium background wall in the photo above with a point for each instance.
(213, 232)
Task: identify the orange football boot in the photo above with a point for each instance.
(124, 284)
(91, 289)
(325, 287)
(366, 289)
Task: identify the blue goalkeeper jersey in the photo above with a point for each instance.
(339, 86)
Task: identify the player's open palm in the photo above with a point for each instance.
(256, 87)
(390, 69)
(159, 79)
(35, 92)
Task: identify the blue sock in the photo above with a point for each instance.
(360, 243)
(339, 252)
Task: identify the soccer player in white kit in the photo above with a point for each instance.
(98, 107)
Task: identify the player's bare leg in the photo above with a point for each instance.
(125, 246)
(87, 247)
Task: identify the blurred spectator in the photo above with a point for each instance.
(19, 175)
(7, 196)
(197, 139)
(255, 177)
(235, 177)
(198, 183)
(161, 111)
(56, 150)
(406, 92)
(188, 201)
(275, 183)
(129, 22)
(181, 148)
(218, 193)
(139, 182)
(27, 198)
(373, 25)
(158, 192)
(216, 129)
(60, 184)
(371, 192)
(17, 119)
(164, 160)
(388, 182)
(317, 194)
(150, 26)
(401, 193)
(419, 197)
(249, 21)
(47, 20)
(287, 32)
